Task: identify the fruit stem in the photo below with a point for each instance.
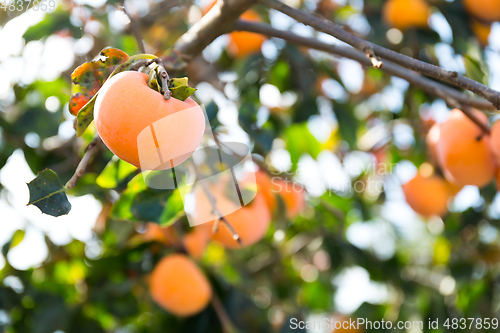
(165, 80)
(80, 169)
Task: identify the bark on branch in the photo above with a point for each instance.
(218, 21)
(426, 84)
(425, 68)
(80, 169)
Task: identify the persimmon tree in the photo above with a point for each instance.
(281, 256)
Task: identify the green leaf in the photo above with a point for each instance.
(174, 209)
(172, 60)
(178, 82)
(85, 116)
(153, 82)
(89, 77)
(141, 203)
(473, 68)
(180, 89)
(17, 238)
(114, 172)
(47, 193)
(348, 124)
(121, 209)
(182, 92)
(149, 204)
(52, 23)
(299, 141)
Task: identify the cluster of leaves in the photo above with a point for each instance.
(261, 287)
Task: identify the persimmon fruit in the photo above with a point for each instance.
(495, 139)
(497, 180)
(142, 128)
(481, 31)
(485, 10)
(464, 151)
(427, 195)
(265, 187)
(243, 43)
(250, 222)
(431, 141)
(156, 233)
(179, 286)
(403, 14)
(195, 242)
(293, 196)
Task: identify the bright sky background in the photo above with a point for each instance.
(46, 60)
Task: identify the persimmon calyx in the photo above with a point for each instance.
(160, 81)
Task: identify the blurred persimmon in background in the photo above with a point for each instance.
(464, 151)
(179, 286)
(485, 10)
(403, 14)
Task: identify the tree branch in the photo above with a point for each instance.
(80, 169)
(216, 211)
(398, 58)
(453, 97)
(136, 30)
(226, 323)
(218, 21)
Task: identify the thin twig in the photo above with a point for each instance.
(225, 321)
(426, 84)
(467, 110)
(136, 30)
(164, 78)
(373, 58)
(217, 212)
(425, 68)
(80, 169)
(144, 63)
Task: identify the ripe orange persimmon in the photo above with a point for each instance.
(265, 187)
(464, 151)
(156, 233)
(495, 139)
(196, 241)
(497, 180)
(486, 10)
(140, 127)
(403, 14)
(250, 222)
(243, 43)
(327, 8)
(179, 286)
(481, 30)
(293, 195)
(431, 141)
(427, 195)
